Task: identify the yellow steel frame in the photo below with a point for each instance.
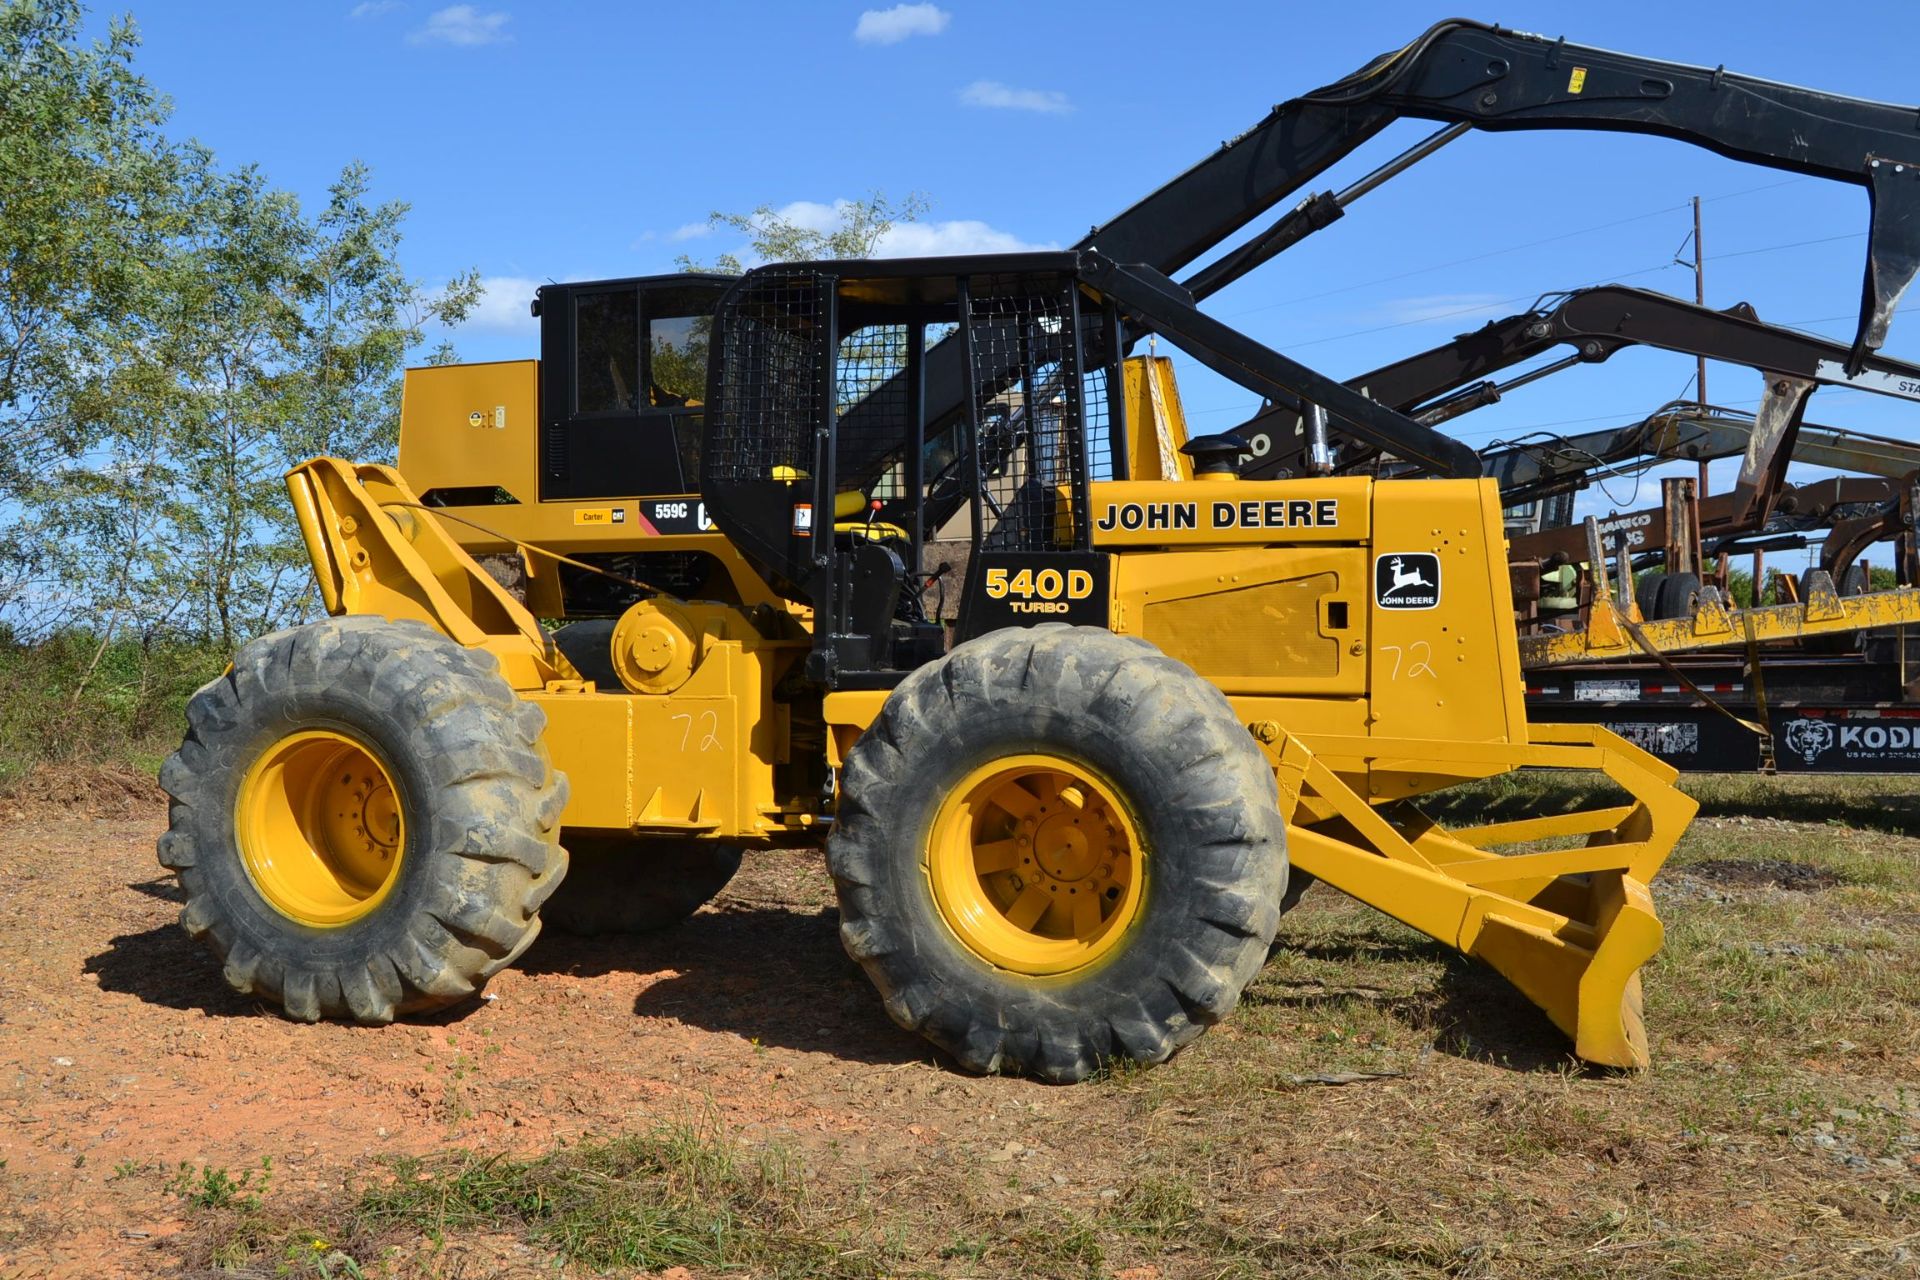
(376, 551)
(693, 751)
(1153, 405)
(475, 426)
(1714, 626)
(696, 761)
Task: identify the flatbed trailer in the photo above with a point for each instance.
(1742, 690)
(1844, 713)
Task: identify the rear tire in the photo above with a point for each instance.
(363, 819)
(620, 884)
(1164, 789)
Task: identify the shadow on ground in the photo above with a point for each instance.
(1469, 1012)
(164, 967)
(769, 975)
(776, 976)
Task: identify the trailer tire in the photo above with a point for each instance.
(1675, 597)
(1118, 755)
(364, 820)
(1646, 594)
(623, 884)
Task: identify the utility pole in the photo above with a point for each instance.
(1700, 296)
(1719, 574)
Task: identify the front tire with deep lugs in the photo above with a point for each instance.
(1056, 848)
(364, 820)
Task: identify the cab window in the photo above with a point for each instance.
(607, 352)
(677, 360)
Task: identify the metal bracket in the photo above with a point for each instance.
(1893, 252)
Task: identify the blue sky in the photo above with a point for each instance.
(577, 140)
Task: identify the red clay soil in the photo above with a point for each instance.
(123, 1053)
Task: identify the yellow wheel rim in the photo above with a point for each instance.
(1035, 865)
(320, 828)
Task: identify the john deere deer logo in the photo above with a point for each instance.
(1407, 580)
(1404, 578)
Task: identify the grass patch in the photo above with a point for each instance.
(1777, 1132)
(678, 1195)
(1378, 1107)
(68, 699)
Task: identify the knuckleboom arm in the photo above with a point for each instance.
(1463, 73)
(1469, 74)
(1160, 304)
(1595, 322)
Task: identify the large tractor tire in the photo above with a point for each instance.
(364, 820)
(618, 884)
(1056, 848)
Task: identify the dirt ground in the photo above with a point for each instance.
(120, 1046)
(1332, 1098)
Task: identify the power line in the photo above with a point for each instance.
(1797, 244)
(1468, 310)
(1611, 278)
(1516, 248)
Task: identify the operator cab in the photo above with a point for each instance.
(877, 424)
(624, 373)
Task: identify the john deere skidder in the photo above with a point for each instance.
(926, 566)
(1063, 840)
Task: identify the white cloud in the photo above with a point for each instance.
(690, 231)
(503, 306)
(903, 239)
(812, 215)
(991, 93)
(891, 26)
(932, 239)
(1455, 308)
(373, 8)
(463, 25)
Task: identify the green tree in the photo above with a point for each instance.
(856, 230)
(86, 186)
(180, 334)
(853, 229)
